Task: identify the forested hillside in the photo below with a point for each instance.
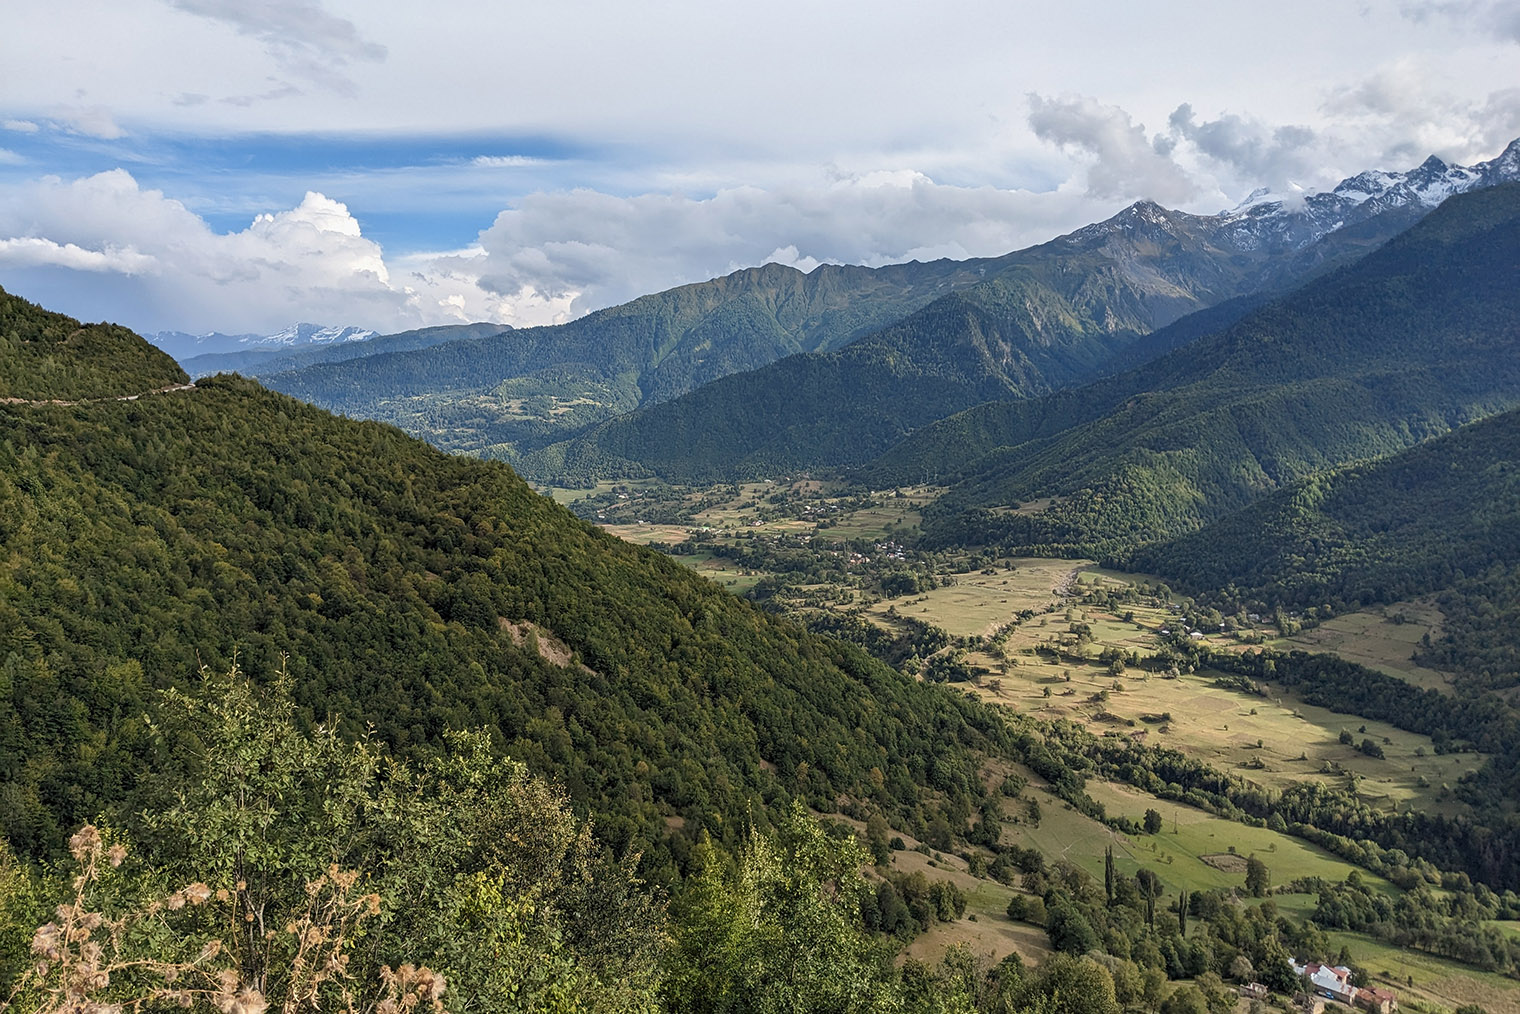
(48, 355)
(521, 389)
(413, 592)
(1410, 342)
(1441, 517)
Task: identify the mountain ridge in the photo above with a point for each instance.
(1408, 343)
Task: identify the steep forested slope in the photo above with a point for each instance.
(412, 592)
(1416, 339)
(1442, 517)
(1377, 532)
(48, 355)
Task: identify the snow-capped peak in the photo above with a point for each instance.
(1301, 220)
(181, 345)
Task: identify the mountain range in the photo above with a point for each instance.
(183, 346)
(1055, 316)
(1415, 339)
(883, 351)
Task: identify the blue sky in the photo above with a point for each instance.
(241, 164)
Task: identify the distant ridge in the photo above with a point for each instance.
(183, 346)
(1054, 316)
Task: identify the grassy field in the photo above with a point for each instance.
(1430, 980)
(978, 602)
(1375, 639)
(1199, 851)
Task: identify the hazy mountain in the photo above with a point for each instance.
(534, 385)
(260, 361)
(183, 346)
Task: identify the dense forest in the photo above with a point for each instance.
(1438, 518)
(409, 592)
(47, 355)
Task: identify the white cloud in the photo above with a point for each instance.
(1279, 157)
(20, 126)
(598, 249)
(91, 121)
(311, 261)
(299, 35)
(1123, 161)
(1499, 18)
(32, 251)
(8, 157)
(507, 161)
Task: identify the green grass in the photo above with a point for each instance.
(1374, 639)
(1436, 981)
(1188, 834)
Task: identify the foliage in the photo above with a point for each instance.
(45, 355)
(776, 927)
(141, 538)
(322, 877)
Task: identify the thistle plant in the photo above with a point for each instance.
(103, 955)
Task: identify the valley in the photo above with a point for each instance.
(1067, 640)
(1137, 607)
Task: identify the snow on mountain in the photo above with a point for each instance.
(1298, 222)
(182, 346)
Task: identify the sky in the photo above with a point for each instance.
(240, 165)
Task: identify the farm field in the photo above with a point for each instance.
(1379, 641)
(977, 603)
(1427, 979)
(1199, 851)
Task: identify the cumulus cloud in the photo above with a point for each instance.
(1279, 157)
(1123, 161)
(1398, 113)
(304, 39)
(308, 261)
(33, 251)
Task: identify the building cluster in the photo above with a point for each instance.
(1333, 982)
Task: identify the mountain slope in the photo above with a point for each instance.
(48, 355)
(525, 387)
(1380, 532)
(1408, 343)
(413, 592)
(1053, 316)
